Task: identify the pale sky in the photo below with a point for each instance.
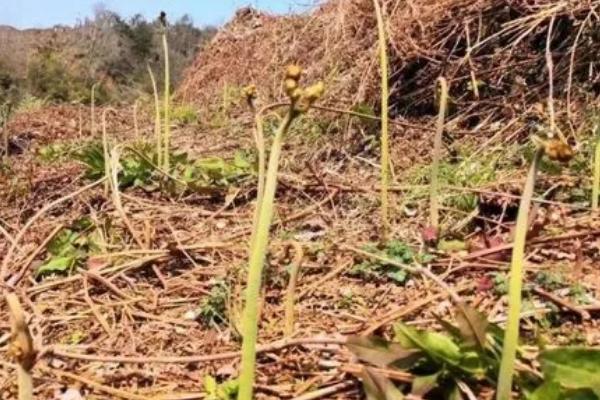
(47, 13)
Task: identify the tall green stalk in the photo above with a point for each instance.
(93, 110)
(157, 130)
(167, 94)
(511, 336)
(437, 150)
(596, 182)
(301, 100)
(106, 151)
(385, 147)
(136, 129)
(257, 259)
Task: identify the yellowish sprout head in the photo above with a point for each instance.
(294, 72)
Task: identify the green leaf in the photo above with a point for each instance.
(398, 276)
(380, 352)
(573, 368)
(210, 385)
(57, 264)
(455, 394)
(439, 347)
(472, 325)
(548, 391)
(378, 387)
(63, 243)
(553, 391)
(424, 384)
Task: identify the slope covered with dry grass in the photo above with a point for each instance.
(151, 303)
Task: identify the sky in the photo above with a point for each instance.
(46, 13)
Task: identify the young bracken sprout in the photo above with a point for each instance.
(555, 150)
(157, 130)
(167, 122)
(596, 182)
(437, 149)
(385, 151)
(93, 109)
(301, 101)
(250, 93)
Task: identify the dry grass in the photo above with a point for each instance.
(117, 328)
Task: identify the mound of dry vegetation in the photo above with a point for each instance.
(132, 275)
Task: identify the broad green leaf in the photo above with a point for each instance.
(62, 244)
(380, 352)
(455, 394)
(573, 368)
(439, 347)
(553, 391)
(548, 391)
(422, 385)
(472, 325)
(378, 387)
(56, 264)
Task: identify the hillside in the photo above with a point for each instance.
(142, 238)
(61, 63)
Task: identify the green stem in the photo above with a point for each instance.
(136, 130)
(157, 132)
(290, 295)
(511, 336)
(385, 151)
(93, 110)
(257, 259)
(437, 150)
(260, 148)
(167, 121)
(596, 182)
(105, 149)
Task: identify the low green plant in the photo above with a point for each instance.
(394, 250)
(55, 152)
(216, 171)
(446, 365)
(550, 280)
(69, 249)
(213, 309)
(220, 391)
(30, 103)
(301, 101)
(139, 168)
(184, 114)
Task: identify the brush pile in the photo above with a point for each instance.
(493, 52)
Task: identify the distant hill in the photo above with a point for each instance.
(58, 62)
